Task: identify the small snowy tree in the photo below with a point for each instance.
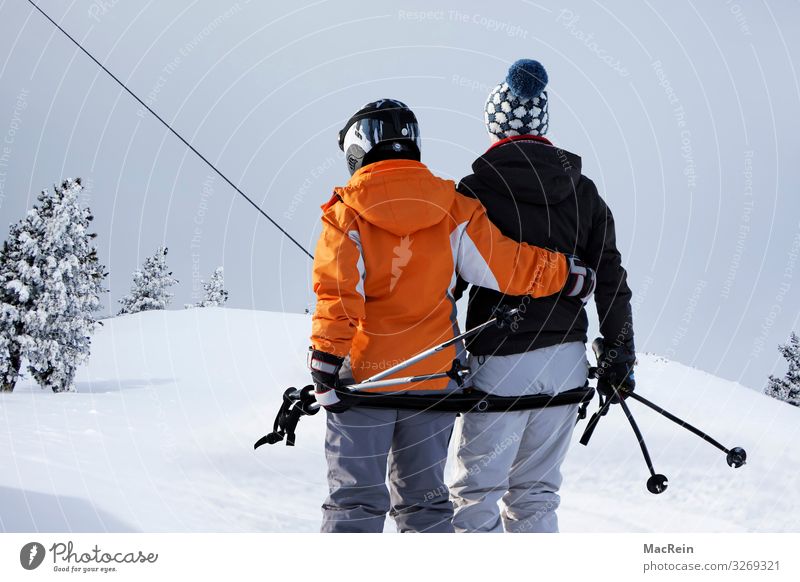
(50, 287)
(215, 294)
(788, 387)
(150, 288)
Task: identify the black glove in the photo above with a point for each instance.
(615, 369)
(325, 374)
(581, 279)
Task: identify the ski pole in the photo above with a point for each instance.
(735, 457)
(499, 319)
(594, 419)
(657, 483)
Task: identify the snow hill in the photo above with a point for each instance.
(159, 437)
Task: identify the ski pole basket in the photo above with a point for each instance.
(656, 483)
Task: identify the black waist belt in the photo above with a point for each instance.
(299, 403)
(471, 401)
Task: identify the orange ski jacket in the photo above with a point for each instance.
(393, 241)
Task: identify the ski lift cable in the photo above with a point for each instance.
(175, 133)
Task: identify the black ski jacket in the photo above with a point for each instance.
(534, 192)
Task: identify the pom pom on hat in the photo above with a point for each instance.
(527, 78)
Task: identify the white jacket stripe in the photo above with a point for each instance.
(355, 236)
(468, 261)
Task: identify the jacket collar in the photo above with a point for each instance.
(525, 137)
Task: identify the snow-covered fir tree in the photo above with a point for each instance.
(5, 362)
(50, 286)
(214, 292)
(788, 387)
(17, 279)
(150, 288)
(11, 336)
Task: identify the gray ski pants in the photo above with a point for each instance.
(359, 445)
(515, 457)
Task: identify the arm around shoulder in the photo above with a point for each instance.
(485, 257)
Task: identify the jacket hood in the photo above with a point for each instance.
(401, 196)
(529, 171)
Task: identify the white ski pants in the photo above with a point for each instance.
(515, 457)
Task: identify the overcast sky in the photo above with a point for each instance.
(686, 116)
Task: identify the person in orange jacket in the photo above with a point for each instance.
(393, 240)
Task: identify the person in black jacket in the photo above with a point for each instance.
(535, 193)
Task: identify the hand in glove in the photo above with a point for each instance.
(581, 279)
(615, 369)
(325, 374)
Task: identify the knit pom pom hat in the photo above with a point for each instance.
(518, 105)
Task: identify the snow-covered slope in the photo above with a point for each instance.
(159, 438)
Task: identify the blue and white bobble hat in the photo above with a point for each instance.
(518, 105)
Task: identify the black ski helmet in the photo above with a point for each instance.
(383, 129)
